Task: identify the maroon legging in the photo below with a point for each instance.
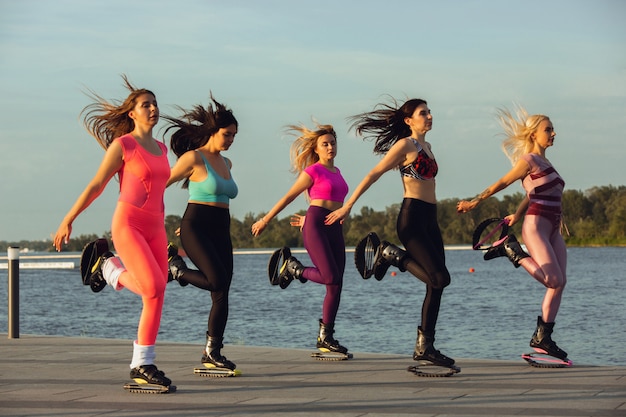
(327, 250)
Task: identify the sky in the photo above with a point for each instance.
(281, 62)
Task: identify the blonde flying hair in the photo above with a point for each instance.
(518, 130)
(106, 120)
(302, 152)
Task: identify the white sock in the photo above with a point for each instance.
(142, 355)
(112, 268)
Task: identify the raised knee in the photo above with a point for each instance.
(555, 282)
(337, 279)
(440, 280)
(156, 290)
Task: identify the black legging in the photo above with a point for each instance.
(419, 232)
(205, 236)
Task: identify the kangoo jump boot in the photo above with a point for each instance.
(150, 374)
(176, 265)
(510, 248)
(213, 356)
(325, 340)
(143, 369)
(388, 255)
(92, 266)
(425, 349)
(542, 340)
(290, 270)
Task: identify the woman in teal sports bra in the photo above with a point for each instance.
(199, 138)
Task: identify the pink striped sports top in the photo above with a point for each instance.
(543, 185)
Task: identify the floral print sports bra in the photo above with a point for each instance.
(422, 168)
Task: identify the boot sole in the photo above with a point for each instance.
(216, 372)
(274, 266)
(486, 233)
(365, 255)
(331, 356)
(542, 360)
(145, 388)
(431, 370)
(89, 262)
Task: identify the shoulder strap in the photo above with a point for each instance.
(206, 163)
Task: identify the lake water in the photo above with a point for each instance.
(488, 314)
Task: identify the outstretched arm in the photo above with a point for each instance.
(303, 182)
(392, 159)
(111, 163)
(519, 171)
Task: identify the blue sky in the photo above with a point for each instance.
(283, 62)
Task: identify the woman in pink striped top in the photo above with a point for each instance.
(528, 137)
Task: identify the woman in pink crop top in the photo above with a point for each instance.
(400, 136)
(138, 228)
(313, 157)
(528, 137)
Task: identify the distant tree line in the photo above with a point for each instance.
(596, 217)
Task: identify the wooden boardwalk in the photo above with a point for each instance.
(75, 377)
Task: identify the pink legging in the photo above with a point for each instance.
(548, 261)
(141, 243)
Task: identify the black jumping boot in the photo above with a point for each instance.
(176, 265)
(94, 255)
(388, 255)
(150, 374)
(326, 341)
(542, 340)
(425, 350)
(290, 270)
(511, 248)
(212, 355)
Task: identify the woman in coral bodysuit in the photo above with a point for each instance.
(313, 158)
(138, 228)
(528, 137)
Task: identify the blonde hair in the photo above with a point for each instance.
(518, 128)
(302, 152)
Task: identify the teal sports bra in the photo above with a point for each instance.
(215, 188)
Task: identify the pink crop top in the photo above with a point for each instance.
(143, 176)
(327, 185)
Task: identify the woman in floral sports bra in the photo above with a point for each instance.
(400, 135)
(528, 137)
